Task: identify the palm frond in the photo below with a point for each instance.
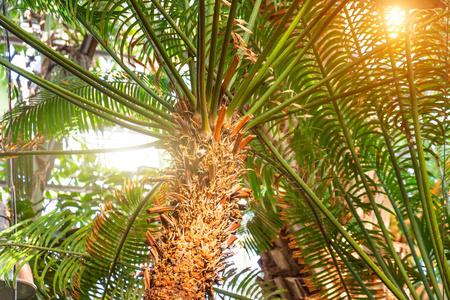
(245, 285)
(80, 260)
(53, 116)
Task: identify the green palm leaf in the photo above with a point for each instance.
(31, 118)
(68, 258)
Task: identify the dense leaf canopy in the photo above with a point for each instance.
(349, 113)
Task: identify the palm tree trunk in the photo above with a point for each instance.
(284, 268)
(198, 212)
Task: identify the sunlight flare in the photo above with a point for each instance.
(394, 18)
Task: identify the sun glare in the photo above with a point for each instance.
(126, 160)
(131, 160)
(395, 18)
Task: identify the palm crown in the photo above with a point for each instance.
(336, 108)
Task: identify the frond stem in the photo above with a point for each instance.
(373, 203)
(286, 72)
(256, 67)
(352, 270)
(127, 70)
(335, 97)
(193, 74)
(201, 62)
(307, 92)
(327, 242)
(175, 26)
(213, 42)
(154, 38)
(212, 56)
(409, 209)
(323, 12)
(339, 72)
(400, 183)
(223, 55)
(86, 76)
(230, 294)
(412, 246)
(295, 42)
(246, 38)
(371, 245)
(427, 203)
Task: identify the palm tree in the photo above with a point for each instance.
(345, 106)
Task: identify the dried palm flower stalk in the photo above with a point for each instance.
(200, 211)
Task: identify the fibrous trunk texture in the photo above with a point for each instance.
(284, 269)
(201, 213)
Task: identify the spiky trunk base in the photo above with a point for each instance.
(202, 198)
